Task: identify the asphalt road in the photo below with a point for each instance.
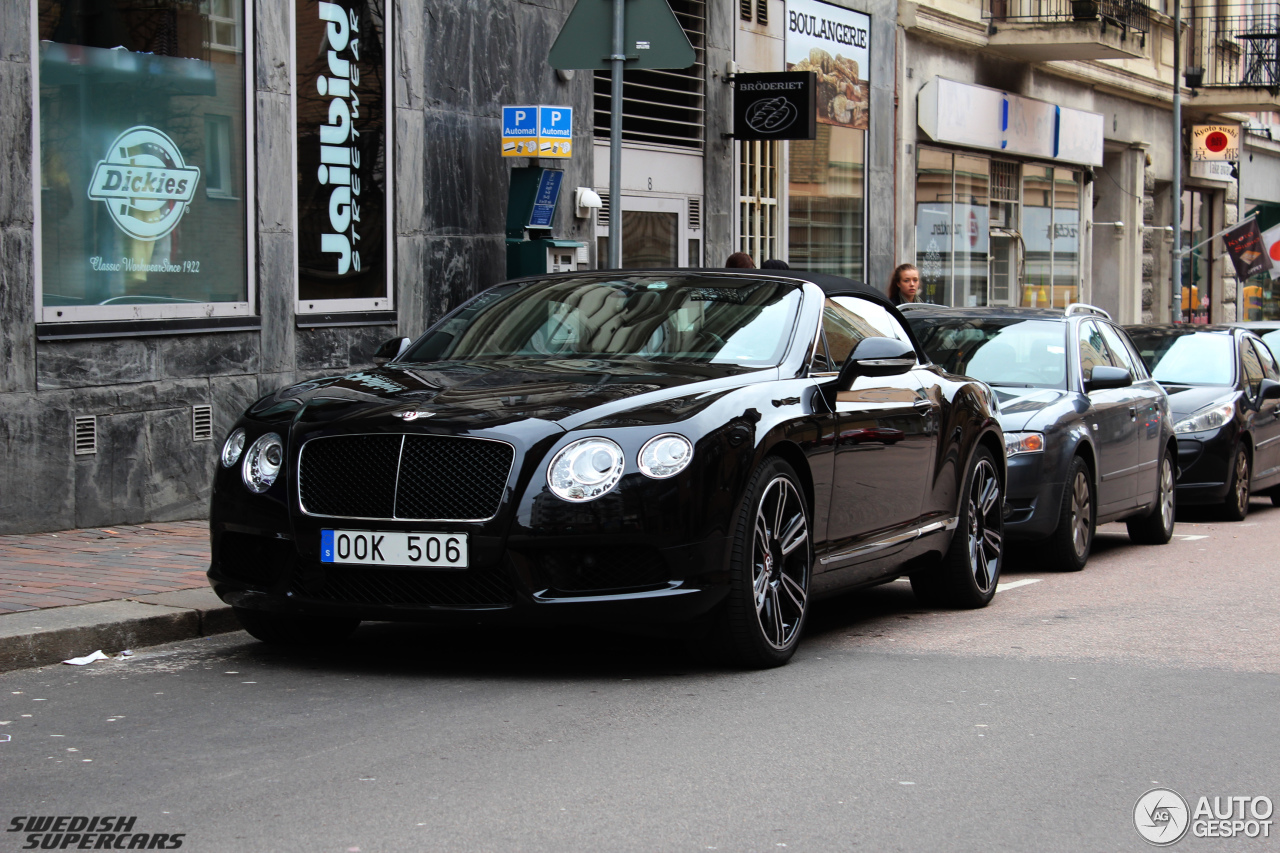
(1035, 724)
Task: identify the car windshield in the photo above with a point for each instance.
(1187, 357)
(997, 350)
(728, 320)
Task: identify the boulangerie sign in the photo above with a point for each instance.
(342, 164)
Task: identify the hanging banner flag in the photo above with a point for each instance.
(1271, 239)
(1247, 251)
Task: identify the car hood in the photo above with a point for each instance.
(468, 396)
(1185, 399)
(1019, 407)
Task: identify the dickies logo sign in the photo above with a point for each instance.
(144, 182)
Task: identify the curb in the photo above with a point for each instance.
(34, 638)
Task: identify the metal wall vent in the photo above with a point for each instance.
(202, 423)
(744, 9)
(86, 434)
(695, 213)
(762, 12)
(602, 215)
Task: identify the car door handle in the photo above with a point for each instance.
(1133, 413)
(922, 404)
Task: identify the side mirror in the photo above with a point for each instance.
(1105, 376)
(1270, 390)
(876, 357)
(390, 350)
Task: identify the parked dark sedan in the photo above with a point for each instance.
(706, 448)
(1086, 429)
(1224, 390)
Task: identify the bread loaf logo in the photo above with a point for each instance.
(771, 115)
(145, 183)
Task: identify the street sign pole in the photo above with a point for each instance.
(1175, 282)
(617, 59)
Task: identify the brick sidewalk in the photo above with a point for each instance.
(41, 570)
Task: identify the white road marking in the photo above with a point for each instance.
(1002, 587)
(1186, 537)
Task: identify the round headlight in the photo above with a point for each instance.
(233, 447)
(263, 462)
(586, 469)
(665, 456)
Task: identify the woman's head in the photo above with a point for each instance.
(904, 284)
(740, 261)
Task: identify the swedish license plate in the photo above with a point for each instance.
(372, 548)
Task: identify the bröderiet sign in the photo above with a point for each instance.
(782, 105)
(342, 137)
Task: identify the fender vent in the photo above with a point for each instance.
(202, 423)
(86, 438)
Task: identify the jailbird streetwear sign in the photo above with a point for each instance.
(342, 163)
(833, 43)
(775, 106)
(144, 183)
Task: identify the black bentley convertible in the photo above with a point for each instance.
(708, 449)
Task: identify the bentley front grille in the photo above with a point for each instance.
(406, 477)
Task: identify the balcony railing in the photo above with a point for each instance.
(1235, 49)
(1128, 15)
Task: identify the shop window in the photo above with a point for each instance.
(953, 208)
(138, 109)
(1051, 236)
(1197, 226)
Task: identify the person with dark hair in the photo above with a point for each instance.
(775, 264)
(740, 261)
(904, 285)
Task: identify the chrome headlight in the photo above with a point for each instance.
(1210, 417)
(263, 462)
(1023, 442)
(665, 456)
(232, 448)
(585, 470)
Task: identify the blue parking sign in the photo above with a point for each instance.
(520, 131)
(555, 122)
(555, 131)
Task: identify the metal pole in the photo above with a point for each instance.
(617, 58)
(1176, 282)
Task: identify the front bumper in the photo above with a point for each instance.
(1034, 497)
(1204, 466)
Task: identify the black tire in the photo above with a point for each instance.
(287, 629)
(771, 565)
(1236, 505)
(1275, 496)
(1072, 540)
(1156, 527)
(969, 571)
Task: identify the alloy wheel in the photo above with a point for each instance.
(986, 525)
(780, 562)
(1166, 493)
(1081, 514)
(1242, 481)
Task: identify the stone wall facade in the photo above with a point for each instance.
(455, 65)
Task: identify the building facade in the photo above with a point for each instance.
(205, 200)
